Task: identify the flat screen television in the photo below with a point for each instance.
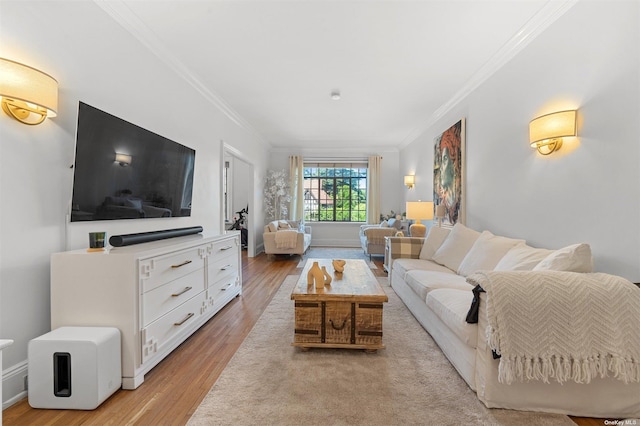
(122, 171)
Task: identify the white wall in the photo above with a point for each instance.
(97, 62)
(346, 234)
(590, 190)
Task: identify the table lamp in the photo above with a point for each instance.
(418, 210)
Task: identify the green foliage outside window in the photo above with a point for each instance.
(335, 194)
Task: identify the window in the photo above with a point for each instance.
(335, 192)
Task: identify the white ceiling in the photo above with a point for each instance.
(271, 65)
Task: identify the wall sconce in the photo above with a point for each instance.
(123, 159)
(28, 95)
(410, 181)
(440, 212)
(546, 132)
(419, 210)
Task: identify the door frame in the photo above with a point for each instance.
(229, 151)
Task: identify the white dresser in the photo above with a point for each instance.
(157, 294)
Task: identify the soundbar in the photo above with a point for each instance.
(145, 237)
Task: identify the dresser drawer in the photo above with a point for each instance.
(160, 270)
(221, 291)
(222, 269)
(160, 332)
(161, 300)
(221, 248)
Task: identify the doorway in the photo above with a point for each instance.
(237, 194)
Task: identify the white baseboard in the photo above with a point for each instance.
(318, 242)
(13, 384)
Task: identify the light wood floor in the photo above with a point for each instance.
(173, 390)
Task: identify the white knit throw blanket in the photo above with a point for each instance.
(286, 238)
(562, 325)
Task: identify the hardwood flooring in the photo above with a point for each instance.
(173, 389)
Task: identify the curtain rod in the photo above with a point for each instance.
(335, 159)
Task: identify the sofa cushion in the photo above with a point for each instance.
(573, 258)
(273, 226)
(456, 246)
(485, 253)
(404, 264)
(422, 282)
(434, 240)
(522, 258)
(451, 306)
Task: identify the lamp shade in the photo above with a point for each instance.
(21, 82)
(123, 159)
(409, 180)
(551, 126)
(419, 210)
(440, 210)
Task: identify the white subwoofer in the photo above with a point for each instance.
(74, 367)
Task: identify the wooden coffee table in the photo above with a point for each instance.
(345, 314)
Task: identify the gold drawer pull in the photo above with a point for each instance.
(186, 262)
(184, 320)
(225, 267)
(186, 289)
(225, 248)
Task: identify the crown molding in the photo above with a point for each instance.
(123, 15)
(547, 15)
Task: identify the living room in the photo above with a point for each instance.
(585, 58)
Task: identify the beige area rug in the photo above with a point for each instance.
(336, 253)
(269, 382)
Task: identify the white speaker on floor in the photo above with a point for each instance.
(74, 367)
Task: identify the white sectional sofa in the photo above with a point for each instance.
(430, 276)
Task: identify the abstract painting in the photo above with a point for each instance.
(448, 173)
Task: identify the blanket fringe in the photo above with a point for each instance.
(563, 369)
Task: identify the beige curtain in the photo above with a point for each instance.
(373, 189)
(296, 206)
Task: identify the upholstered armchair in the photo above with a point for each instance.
(372, 236)
(286, 237)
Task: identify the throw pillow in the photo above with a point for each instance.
(434, 240)
(273, 226)
(384, 224)
(522, 258)
(456, 246)
(573, 258)
(485, 253)
(394, 223)
(283, 224)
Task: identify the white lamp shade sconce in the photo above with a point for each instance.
(419, 210)
(28, 95)
(123, 159)
(410, 181)
(546, 132)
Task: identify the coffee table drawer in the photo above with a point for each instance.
(368, 329)
(308, 323)
(337, 322)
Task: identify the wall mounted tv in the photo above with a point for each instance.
(123, 171)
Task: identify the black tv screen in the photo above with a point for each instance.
(123, 171)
